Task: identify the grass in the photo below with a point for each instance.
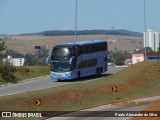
(28, 72)
(139, 80)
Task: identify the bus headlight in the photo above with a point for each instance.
(66, 74)
(52, 73)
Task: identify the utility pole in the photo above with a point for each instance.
(145, 32)
(37, 48)
(37, 57)
(76, 23)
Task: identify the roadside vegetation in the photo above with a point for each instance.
(28, 72)
(141, 79)
(12, 74)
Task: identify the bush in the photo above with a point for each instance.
(1, 68)
(7, 72)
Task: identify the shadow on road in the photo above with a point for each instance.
(93, 77)
(111, 70)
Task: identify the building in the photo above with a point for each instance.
(137, 57)
(151, 54)
(128, 62)
(15, 61)
(152, 39)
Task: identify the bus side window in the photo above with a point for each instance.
(80, 51)
(86, 49)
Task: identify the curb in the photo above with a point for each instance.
(124, 66)
(128, 99)
(22, 81)
(107, 103)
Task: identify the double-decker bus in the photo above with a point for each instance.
(78, 59)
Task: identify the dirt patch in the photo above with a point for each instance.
(66, 96)
(69, 95)
(22, 70)
(129, 86)
(153, 107)
(75, 95)
(25, 44)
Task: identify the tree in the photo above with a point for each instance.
(42, 55)
(2, 46)
(148, 49)
(119, 59)
(6, 70)
(158, 52)
(28, 59)
(13, 53)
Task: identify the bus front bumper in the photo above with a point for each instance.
(60, 76)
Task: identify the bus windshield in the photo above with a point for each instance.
(57, 66)
(60, 51)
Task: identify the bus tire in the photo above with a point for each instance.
(78, 76)
(97, 72)
(100, 72)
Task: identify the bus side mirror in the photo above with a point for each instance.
(71, 59)
(48, 59)
(72, 62)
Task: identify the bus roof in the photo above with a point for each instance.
(81, 43)
(86, 42)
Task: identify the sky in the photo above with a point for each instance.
(29, 16)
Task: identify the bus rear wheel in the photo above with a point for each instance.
(97, 72)
(100, 71)
(78, 76)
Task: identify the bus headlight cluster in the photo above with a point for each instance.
(66, 74)
(53, 74)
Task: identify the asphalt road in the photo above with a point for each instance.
(109, 112)
(45, 82)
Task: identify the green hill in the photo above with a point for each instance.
(87, 32)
